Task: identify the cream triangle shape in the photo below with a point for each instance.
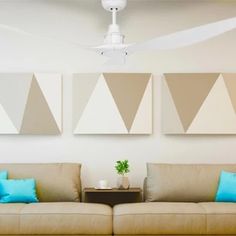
(171, 123)
(83, 86)
(142, 123)
(101, 115)
(6, 125)
(216, 115)
(51, 87)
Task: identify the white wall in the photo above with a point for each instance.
(86, 22)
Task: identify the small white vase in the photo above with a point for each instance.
(123, 182)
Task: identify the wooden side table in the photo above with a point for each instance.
(112, 196)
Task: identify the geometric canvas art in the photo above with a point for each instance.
(30, 103)
(112, 103)
(203, 103)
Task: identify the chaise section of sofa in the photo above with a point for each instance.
(179, 200)
(59, 211)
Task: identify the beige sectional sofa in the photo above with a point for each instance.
(179, 200)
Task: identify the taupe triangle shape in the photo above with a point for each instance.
(189, 92)
(230, 82)
(38, 118)
(127, 90)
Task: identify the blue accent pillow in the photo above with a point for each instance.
(227, 187)
(17, 191)
(3, 174)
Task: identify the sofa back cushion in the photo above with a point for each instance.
(54, 182)
(183, 182)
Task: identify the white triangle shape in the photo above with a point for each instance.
(6, 125)
(51, 87)
(216, 115)
(171, 123)
(142, 123)
(101, 115)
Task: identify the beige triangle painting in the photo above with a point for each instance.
(200, 103)
(27, 107)
(112, 103)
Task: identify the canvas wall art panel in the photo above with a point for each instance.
(200, 103)
(30, 103)
(112, 103)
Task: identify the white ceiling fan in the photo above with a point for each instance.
(116, 50)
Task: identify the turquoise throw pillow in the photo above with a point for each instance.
(3, 174)
(17, 191)
(227, 187)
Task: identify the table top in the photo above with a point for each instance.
(113, 190)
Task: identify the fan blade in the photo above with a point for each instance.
(25, 33)
(186, 37)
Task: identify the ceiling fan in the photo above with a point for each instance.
(116, 50)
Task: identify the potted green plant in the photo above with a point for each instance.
(122, 168)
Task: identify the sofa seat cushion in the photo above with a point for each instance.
(9, 218)
(221, 217)
(55, 218)
(159, 218)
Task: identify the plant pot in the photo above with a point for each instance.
(123, 182)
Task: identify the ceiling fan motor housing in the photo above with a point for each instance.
(110, 5)
(114, 35)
